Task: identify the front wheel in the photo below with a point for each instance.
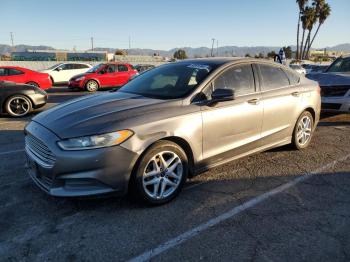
(303, 131)
(91, 86)
(160, 174)
(18, 105)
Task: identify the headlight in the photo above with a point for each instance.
(97, 141)
(80, 78)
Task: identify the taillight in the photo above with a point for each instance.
(319, 90)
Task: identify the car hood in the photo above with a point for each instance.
(79, 75)
(95, 114)
(330, 79)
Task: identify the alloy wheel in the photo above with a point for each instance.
(162, 175)
(18, 106)
(304, 130)
(91, 86)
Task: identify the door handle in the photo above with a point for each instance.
(254, 101)
(295, 94)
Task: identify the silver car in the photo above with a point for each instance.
(168, 124)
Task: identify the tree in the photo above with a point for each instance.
(271, 54)
(180, 54)
(288, 52)
(308, 19)
(324, 12)
(121, 52)
(247, 55)
(301, 4)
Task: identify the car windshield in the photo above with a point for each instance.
(169, 81)
(95, 68)
(340, 65)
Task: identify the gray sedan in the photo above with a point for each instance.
(170, 123)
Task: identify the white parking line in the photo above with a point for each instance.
(11, 152)
(149, 254)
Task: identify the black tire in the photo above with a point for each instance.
(91, 86)
(31, 83)
(10, 106)
(296, 140)
(137, 188)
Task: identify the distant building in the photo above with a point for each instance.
(326, 53)
(59, 55)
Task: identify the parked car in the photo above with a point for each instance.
(25, 76)
(171, 122)
(335, 85)
(19, 99)
(298, 68)
(62, 72)
(318, 69)
(143, 67)
(103, 76)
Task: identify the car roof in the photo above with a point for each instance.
(224, 60)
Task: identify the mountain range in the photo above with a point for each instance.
(190, 51)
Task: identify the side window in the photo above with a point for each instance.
(111, 69)
(273, 77)
(239, 78)
(122, 68)
(293, 77)
(3, 72)
(66, 66)
(14, 72)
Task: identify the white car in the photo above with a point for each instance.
(61, 73)
(298, 68)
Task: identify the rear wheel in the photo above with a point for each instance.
(160, 174)
(18, 105)
(33, 84)
(303, 131)
(91, 86)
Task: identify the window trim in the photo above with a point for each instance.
(228, 68)
(261, 80)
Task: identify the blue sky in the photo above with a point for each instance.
(162, 24)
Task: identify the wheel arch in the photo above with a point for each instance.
(4, 101)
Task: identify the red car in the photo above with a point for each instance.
(102, 76)
(25, 76)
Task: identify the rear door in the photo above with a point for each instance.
(232, 127)
(281, 102)
(123, 75)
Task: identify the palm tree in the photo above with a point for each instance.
(323, 13)
(309, 19)
(301, 4)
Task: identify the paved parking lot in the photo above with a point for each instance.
(281, 205)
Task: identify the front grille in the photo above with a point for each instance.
(332, 106)
(329, 91)
(39, 151)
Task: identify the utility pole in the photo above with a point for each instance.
(13, 47)
(217, 47)
(92, 44)
(129, 42)
(212, 47)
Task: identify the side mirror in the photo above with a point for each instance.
(102, 72)
(58, 69)
(221, 95)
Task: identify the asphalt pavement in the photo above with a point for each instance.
(280, 205)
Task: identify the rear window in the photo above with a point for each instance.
(294, 79)
(273, 77)
(14, 72)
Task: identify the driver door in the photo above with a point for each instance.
(232, 127)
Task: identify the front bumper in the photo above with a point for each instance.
(76, 84)
(38, 100)
(336, 104)
(75, 173)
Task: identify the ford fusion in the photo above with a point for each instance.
(168, 124)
